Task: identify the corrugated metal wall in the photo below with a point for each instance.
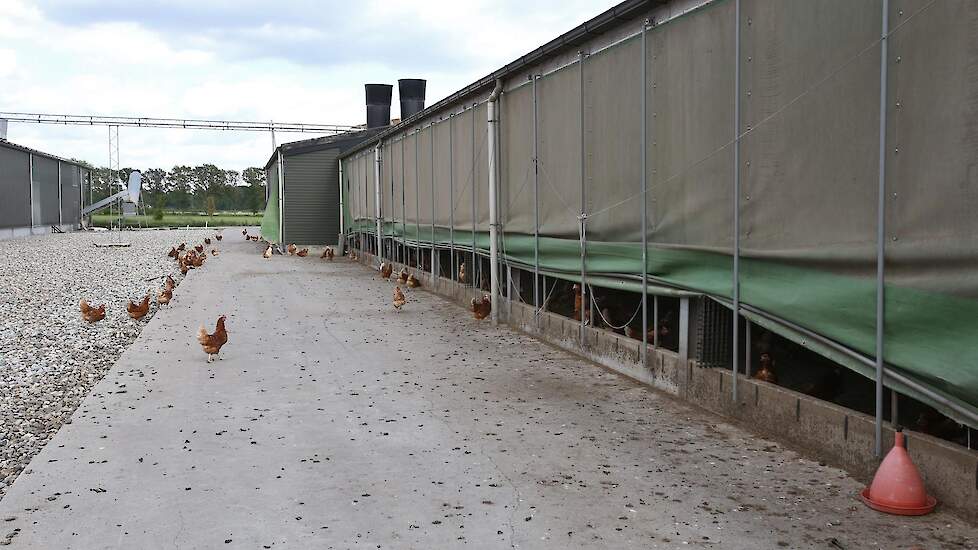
(15, 184)
(70, 193)
(312, 214)
(45, 191)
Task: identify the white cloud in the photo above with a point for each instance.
(300, 62)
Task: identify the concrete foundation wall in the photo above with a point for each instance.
(17, 232)
(820, 429)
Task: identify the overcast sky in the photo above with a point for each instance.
(291, 61)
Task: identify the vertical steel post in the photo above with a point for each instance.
(683, 331)
(453, 274)
(60, 213)
(403, 208)
(536, 206)
(747, 349)
(417, 200)
(475, 267)
(583, 217)
(645, 188)
(434, 268)
(881, 231)
(735, 357)
(655, 322)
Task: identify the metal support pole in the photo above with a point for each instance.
(536, 206)
(417, 200)
(645, 188)
(881, 233)
(475, 267)
(655, 322)
(894, 407)
(747, 349)
(583, 217)
(403, 246)
(735, 357)
(453, 275)
(683, 331)
(30, 167)
(434, 262)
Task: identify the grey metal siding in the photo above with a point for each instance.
(46, 191)
(15, 187)
(312, 199)
(70, 193)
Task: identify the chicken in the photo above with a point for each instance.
(766, 372)
(268, 252)
(302, 253)
(138, 311)
(182, 247)
(184, 267)
(214, 252)
(482, 307)
(291, 249)
(399, 299)
(173, 253)
(244, 232)
(578, 301)
(212, 343)
(198, 260)
(413, 282)
(386, 269)
(353, 255)
(461, 273)
(199, 248)
(403, 276)
(327, 254)
(164, 296)
(170, 283)
(218, 237)
(92, 314)
(207, 240)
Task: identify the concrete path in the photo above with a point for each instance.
(333, 422)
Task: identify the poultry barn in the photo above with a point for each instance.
(303, 203)
(42, 193)
(756, 206)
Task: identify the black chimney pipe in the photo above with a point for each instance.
(411, 93)
(378, 104)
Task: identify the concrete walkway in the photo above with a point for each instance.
(333, 422)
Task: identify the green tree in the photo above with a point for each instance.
(211, 206)
(255, 196)
(159, 207)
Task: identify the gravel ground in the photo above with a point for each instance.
(49, 356)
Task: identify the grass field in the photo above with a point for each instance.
(179, 220)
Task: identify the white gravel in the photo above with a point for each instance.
(49, 356)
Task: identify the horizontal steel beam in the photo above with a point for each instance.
(181, 123)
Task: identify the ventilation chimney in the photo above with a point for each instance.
(378, 104)
(411, 93)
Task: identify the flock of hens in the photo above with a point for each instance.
(187, 259)
(194, 258)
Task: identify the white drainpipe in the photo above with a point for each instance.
(342, 236)
(281, 200)
(493, 122)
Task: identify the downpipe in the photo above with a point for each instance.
(493, 123)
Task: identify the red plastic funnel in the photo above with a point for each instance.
(897, 487)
